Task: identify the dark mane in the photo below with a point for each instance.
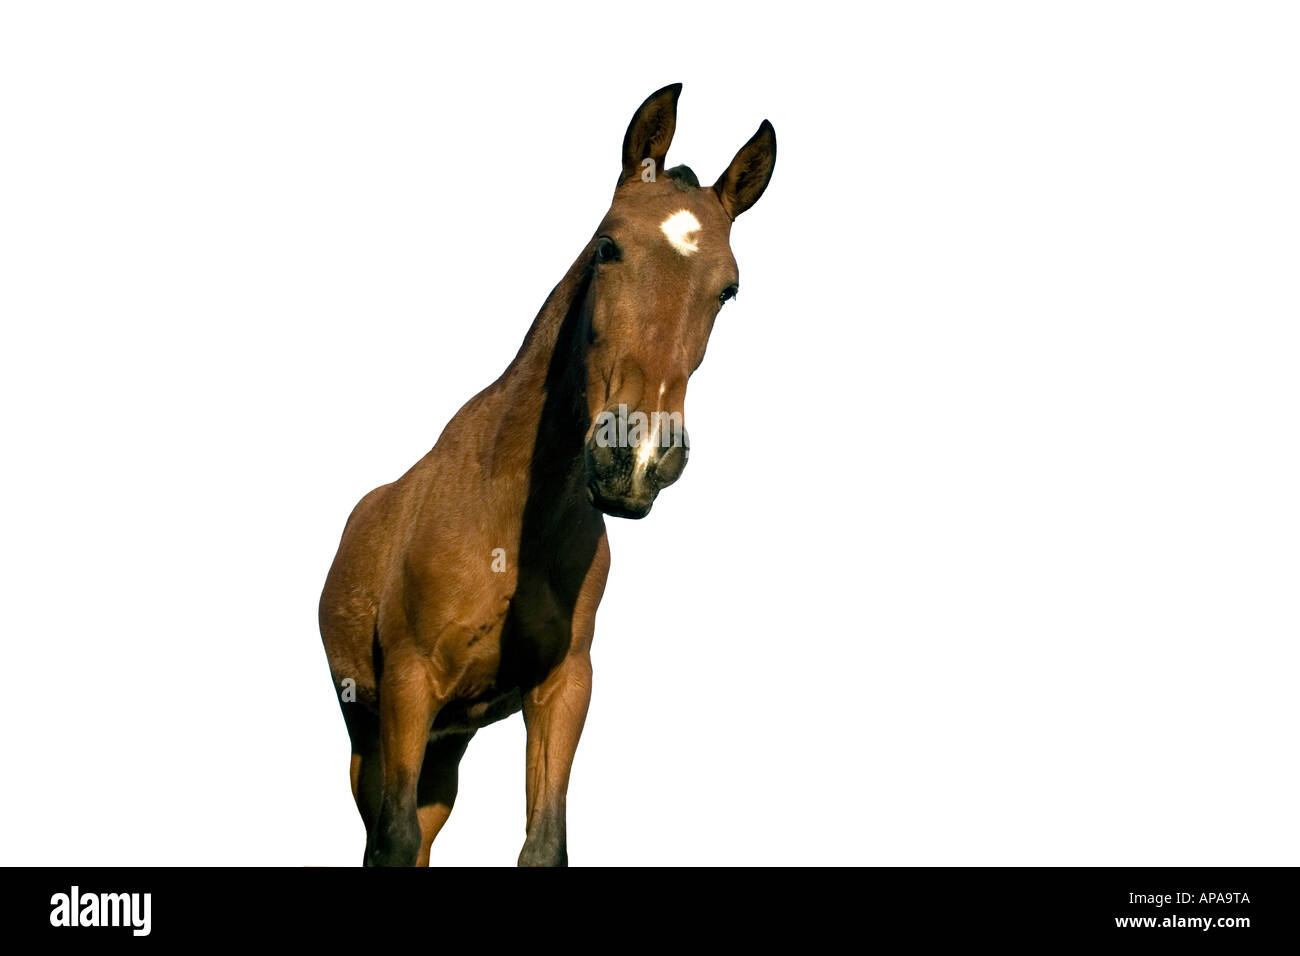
(684, 177)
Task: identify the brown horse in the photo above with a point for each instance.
(467, 589)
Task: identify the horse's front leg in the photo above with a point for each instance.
(407, 706)
(554, 713)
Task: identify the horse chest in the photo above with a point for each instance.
(535, 636)
(492, 666)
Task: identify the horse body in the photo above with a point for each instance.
(467, 590)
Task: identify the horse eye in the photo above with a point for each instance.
(606, 250)
(728, 293)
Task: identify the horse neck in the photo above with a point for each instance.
(544, 410)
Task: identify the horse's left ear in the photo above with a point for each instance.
(748, 175)
(650, 133)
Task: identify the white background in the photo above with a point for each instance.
(987, 553)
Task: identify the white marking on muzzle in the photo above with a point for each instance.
(645, 451)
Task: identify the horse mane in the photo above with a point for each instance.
(684, 177)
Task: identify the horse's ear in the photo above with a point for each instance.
(650, 133)
(747, 176)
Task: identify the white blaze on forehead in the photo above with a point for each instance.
(682, 230)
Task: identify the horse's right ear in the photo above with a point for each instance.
(650, 133)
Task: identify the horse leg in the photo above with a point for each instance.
(363, 729)
(554, 713)
(436, 793)
(406, 710)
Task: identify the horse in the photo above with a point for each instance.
(466, 590)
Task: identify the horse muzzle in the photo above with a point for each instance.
(623, 480)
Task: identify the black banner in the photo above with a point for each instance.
(1230, 907)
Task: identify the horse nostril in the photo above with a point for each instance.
(669, 465)
(602, 456)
